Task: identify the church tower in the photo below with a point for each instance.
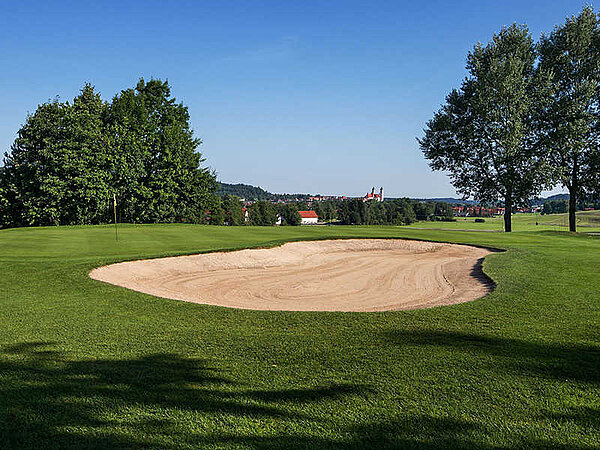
(381, 194)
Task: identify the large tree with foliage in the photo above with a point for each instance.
(353, 211)
(69, 159)
(400, 211)
(290, 215)
(56, 170)
(571, 123)
(325, 210)
(158, 174)
(262, 213)
(485, 134)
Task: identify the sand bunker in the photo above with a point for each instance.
(335, 275)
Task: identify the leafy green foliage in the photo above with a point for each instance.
(52, 175)
(570, 125)
(358, 212)
(234, 214)
(254, 193)
(69, 159)
(158, 176)
(555, 207)
(216, 214)
(244, 191)
(326, 210)
(485, 134)
(262, 213)
(289, 215)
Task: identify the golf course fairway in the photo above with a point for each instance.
(85, 364)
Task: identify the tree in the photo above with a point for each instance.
(216, 214)
(69, 159)
(571, 123)
(353, 212)
(424, 210)
(157, 174)
(555, 207)
(443, 209)
(376, 213)
(326, 211)
(405, 212)
(485, 135)
(262, 213)
(56, 170)
(4, 205)
(234, 215)
(398, 212)
(303, 206)
(290, 215)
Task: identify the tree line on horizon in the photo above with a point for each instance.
(525, 119)
(229, 210)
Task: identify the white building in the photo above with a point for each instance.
(308, 217)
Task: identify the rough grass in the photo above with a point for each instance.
(88, 365)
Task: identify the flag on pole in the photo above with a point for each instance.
(115, 211)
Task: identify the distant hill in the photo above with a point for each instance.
(555, 197)
(250, 192)
(244, 191)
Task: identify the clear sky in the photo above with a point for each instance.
(294, 96)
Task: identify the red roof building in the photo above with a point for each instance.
(308, 217)
(308, 214)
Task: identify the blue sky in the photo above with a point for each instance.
(295, 96)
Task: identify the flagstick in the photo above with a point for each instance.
(115, 211)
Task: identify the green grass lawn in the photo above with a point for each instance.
(89, 365)
(587, 221)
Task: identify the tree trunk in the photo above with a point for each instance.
(508, 212)
(572, 208)
(573, 197)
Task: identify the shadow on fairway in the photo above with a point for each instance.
(478, 273)
(48, 400)
(578, 363)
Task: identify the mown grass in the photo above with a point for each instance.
(587, 221)
(88, 365)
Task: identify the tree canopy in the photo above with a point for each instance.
(70, 158)
(485, 134)
(570, 125)
(262, 213)
(290, 215)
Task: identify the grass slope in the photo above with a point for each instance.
(88, 365)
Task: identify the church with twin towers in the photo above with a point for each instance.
(373, 196)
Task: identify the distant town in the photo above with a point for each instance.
(460, 208)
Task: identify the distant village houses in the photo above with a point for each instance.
(482, 211)
(476, 211)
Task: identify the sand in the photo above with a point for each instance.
(333, 275)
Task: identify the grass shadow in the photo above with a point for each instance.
(49, 400)
(563, 362)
